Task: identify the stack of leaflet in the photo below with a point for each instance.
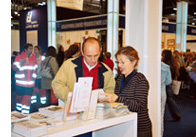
(55, 111)
(103, 111)
(17, 116)
(29, 128)
(118, 109)
(109, 110)
(40, 117)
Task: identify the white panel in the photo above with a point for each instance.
(143, 32)
(15, 40)
(51, 7)
(71, 4)
(181, 29)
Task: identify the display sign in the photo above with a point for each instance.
(34, 27)
(168, 27)
(31, 20)
(171, 28)
(70, 4)
(82, 24)
(191, 30)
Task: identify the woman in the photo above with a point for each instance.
(168, 59)
(52, 63)
(132, 89)
(73, 51)
(60, 55)
(38, 98)
(165, 80)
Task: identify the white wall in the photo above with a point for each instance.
(167, 36)
(15, 40)
(68, 38)
(143, 31)
(191, 46)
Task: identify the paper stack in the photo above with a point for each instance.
(17, 116)
(109, 110)
(29, 128)
(119, 109)
(40, 117)
(103, 111)
(55, 111)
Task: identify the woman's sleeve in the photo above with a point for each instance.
(140, 97)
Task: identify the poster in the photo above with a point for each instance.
(70, 4)
(32, 37)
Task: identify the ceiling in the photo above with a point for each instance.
(170, 14)
(93, 6)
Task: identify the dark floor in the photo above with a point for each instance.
(186, 127)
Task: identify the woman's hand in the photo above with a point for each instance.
(109, 98)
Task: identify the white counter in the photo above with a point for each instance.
(124, 126)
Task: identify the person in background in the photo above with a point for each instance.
(60, 55)
(38, 98)
(165, 80)
(52, 63)
(168, 59)
(72, 52)
(108, 61)
(25, 66)
(14, 55)
(86, 65)
(132, 89)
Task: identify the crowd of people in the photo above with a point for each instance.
(176, 66)
(35, 90)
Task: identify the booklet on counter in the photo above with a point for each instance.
(17, 116)
(29, 128)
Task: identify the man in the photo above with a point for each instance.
(86, 65)
(25, 66)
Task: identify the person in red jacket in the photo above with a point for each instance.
(25, 66)
(108, 61)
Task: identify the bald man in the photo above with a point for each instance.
(86, 65)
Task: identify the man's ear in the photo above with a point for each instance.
(82, 52)
(100, 50)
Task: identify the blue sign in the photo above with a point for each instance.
(169, 28)
(34, 19)
(82, 24)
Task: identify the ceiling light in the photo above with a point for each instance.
(11, 17)
(194, 13)
(173, 14)
(16, 12)
(174, 8)
(193, 23)
(25, 8)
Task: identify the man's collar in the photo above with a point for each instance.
(88, 66)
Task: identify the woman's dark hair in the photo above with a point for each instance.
(168, 59)
(51, 51)
(73, 49)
